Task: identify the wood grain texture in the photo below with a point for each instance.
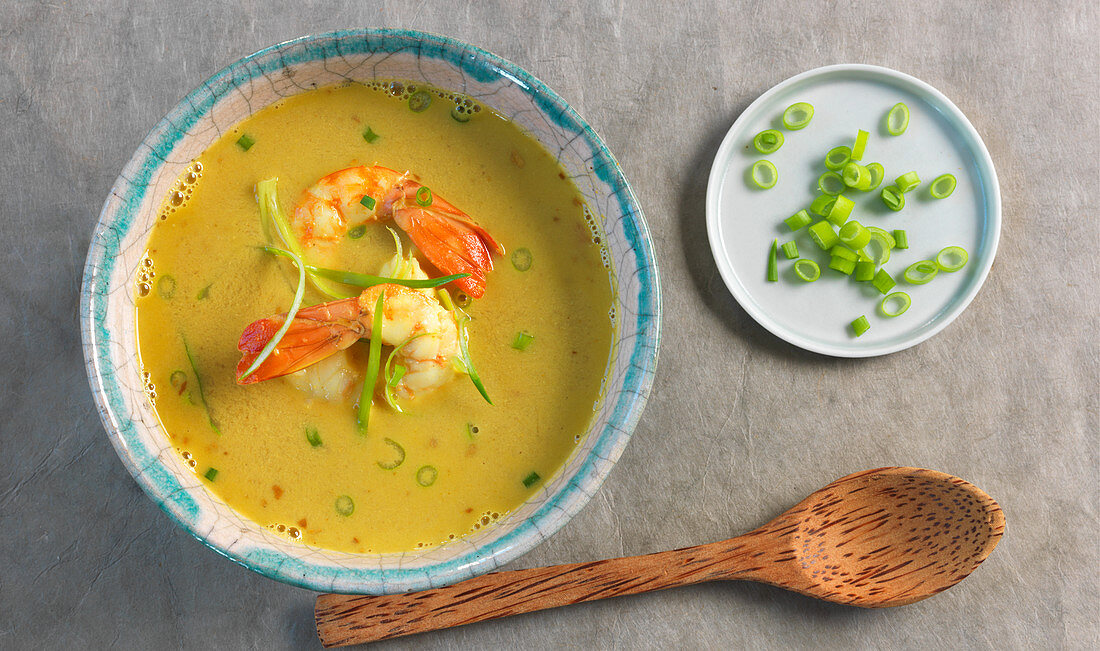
(884, 537)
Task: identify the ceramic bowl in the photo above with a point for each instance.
(248, 85)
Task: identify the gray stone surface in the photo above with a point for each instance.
(740, 425)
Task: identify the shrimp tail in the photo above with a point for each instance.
(450, 241)
(315, 333)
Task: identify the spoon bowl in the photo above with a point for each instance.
(878, 538)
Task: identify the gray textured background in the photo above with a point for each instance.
(740, 425)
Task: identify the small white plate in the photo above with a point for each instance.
(742, 220)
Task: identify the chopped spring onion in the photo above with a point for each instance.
(768, 142)
(897, 120)
(798, 115)
(860, 325)
(877, 174)
(392, 375)
(798, 220)
(368, 202)
(773, 262)
(854, 235)
(426, 476)
(807, 270)
(521, 259)
(840, 210)
(245, 142)
(895, 304)
(423, 196)
(831, 183)
(211, 474)
(366, 280)
(857, 177)
(893, 198)
(464, 349)
(531, 480)
(883, 281)
(790, 250)
(841, 251)
(374, 358)
(843, 265)
(764, 175)
(879, 246)
(907, 181)
(942, 186)
(522, 340)
(198, 385)
(951, 258)
(370, 136)
(822, 205)
(355, 232)
(865, 271)
(204, 292)
(860, 144)
(166, 286)
(921, 272)
(823, 235)
(398, 455)
(901, 240)
(420, 101)
(344, 505)
(313, 436)
(838, 157)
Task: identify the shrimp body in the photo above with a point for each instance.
(322, 330)
(445, 234)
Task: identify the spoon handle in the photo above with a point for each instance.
(350, 619)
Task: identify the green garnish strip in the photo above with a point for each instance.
(463, 360)
(373, 359)
(366, 280)
(393, 375)
(398, 450)
(773, 262)
(267, 197)
(294, 305)
(198, 385)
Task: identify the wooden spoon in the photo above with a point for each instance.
(885, 537)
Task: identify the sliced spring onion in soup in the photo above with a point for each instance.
(370, 136)
(531, 479)
(211, 474)
(424, 196)
(798, 115)
(294, 306)
(773, 262)
(355, 232)
(895, 304)
(203, 293)
(313, 436)
(245, 142)
(522, 340)
(860, 325)
(897, 120)
(942, 186)
(198, 385)
(764, 175)
(178, 380)
(398, 455)
(522, 259)
(426, 475)
(367, 202)
(768, 141)
(344, 505)
(373, 359)
(951, 258)
(367, 280)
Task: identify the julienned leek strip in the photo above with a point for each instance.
(198, 385)
(295, 304)
(367, 280)
(373, 359)
(463, 360)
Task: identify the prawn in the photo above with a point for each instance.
(426, 332)
(445, 234)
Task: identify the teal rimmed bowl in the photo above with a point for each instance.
(246, 86)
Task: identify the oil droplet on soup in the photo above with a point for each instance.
(297, 464)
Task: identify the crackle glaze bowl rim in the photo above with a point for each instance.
(637, 342)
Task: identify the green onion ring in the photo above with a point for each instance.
(798, 220)
(840, 210)
(942, 186)
(426, 475)
(897, 120)
(854, 235)
(951, 258)
(764, 174)
(838, 157)
(877, 174)
(893, 198)
(883, 281)
(860, 144)
(822, 205)
(860, 325)
(768, 142)
(823, 235)
(921, 272)
(902, 301)
(831, 183)
(907, 181)
(424, 196)
(842, 265)
(856, 176)
(807, 270)
(790, 250)
(865, 271)
(798, 115)
(399, 451)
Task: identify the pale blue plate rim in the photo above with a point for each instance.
(172, 497)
